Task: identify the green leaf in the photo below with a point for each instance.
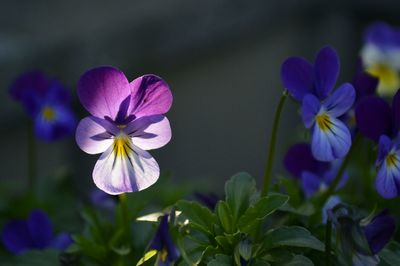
(225, 216)
(264, 207)
(221, 260)
(198, 215)
(293, 236)
(47, 257)
(239, 190)
(299, 260)
(90, 248)
(306, 209)
(391, 254)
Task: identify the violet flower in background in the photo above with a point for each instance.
(379, 231)
(208, 199)
(127, 118)
(314, 175)
(381, 56)
(312, 85)
(103, 200)
(388, 178)
(375, 117)
(164, 245)
(47, 102)
(34, 233)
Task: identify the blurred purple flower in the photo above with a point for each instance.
(314, 175)
(103, 200)
(163, 243)
(381, 56)
(388, 179)
(34, 233)
(126, 120)
(312, 85)
(379, 231)
(47, 103)
(375, 117)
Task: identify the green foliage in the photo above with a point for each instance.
(234, 232)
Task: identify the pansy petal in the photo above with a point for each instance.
(94, 135)
(62, 125)
(329, 205)
(33, 82)
(40, 228)
(299, 158)
(385, 182)
(309, 109)
(131, 171)
(373, 117)
(365, 85)
(379, 231)
(103, 91)
(326, 71)
(310, 183)
(341, 100)
(382, 35)
(330, 144)
(385, 145)
(396, 113)
(297, 77)
(61, 241)
(149, 132)
(16, 237)
(150, 96)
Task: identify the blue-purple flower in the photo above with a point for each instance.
(381, 56)
(388, 179)
(34, 233)
(47, 102)
(314, 175)
(312, 85)
(103, 200)
(164, 245)
(127, 119)
(379, 231)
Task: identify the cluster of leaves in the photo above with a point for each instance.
(244, 229)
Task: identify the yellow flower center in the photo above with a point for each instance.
(48, 113)
(164, 254)
(389, 80)
(323, 121)
(122, 145)
(391, 160)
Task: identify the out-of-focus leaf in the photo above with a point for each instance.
(239, 190)
(198, 215)
(35, 258)
(261, 209)
(391, 254)
(293, 236)
(299, 260)
(221, 260)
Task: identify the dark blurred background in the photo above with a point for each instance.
(221, 58)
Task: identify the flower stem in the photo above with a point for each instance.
(332, 187)
(328, 235)
(31, 159)
(124, 214)
(272, 145)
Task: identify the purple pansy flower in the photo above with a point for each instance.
(375, 117)
(312, 85)
(388, 179)
(34, 233)
(164, 245)
(379, 231)
(381, 56)
(103, 200)
(314, 175)
(127, 118)
(209, 199)
(47, 103)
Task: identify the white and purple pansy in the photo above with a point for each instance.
(127, 119)
(312, 85)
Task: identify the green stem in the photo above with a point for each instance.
(328, 236)
(31, 159)
(125, 214)
(272, 145)
(332, 187)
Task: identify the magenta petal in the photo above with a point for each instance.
(297, 77)
(373, 117)
(102, 91)
(94, 135)
(326, 71)
(116, 174)
(150, 96)
(149, 132)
